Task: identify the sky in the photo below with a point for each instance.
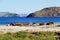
(26, 6)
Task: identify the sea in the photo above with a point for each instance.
(8, 20)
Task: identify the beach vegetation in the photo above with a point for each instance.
(28, 36)
(58, 25)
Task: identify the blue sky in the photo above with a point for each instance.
(26, 6)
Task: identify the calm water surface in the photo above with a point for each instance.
(7, 20)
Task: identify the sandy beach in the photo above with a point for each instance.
(13, 29)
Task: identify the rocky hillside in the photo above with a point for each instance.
(46, 12)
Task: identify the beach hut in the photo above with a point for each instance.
(42, 24)
(26, 25)
(34, 24)
(18, 24)
(11, 24)
(50, 24)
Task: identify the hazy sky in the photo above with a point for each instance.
(26, 6)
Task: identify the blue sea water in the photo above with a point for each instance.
(7, 20)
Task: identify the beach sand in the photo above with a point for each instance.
(13, 29)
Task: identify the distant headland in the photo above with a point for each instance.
(46, 12)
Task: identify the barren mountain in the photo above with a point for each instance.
(46, 12)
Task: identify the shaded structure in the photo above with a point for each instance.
(50, 24)
(42, 24)
(34, 24)
(18, 24)
(26, 25)
(11, 24)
